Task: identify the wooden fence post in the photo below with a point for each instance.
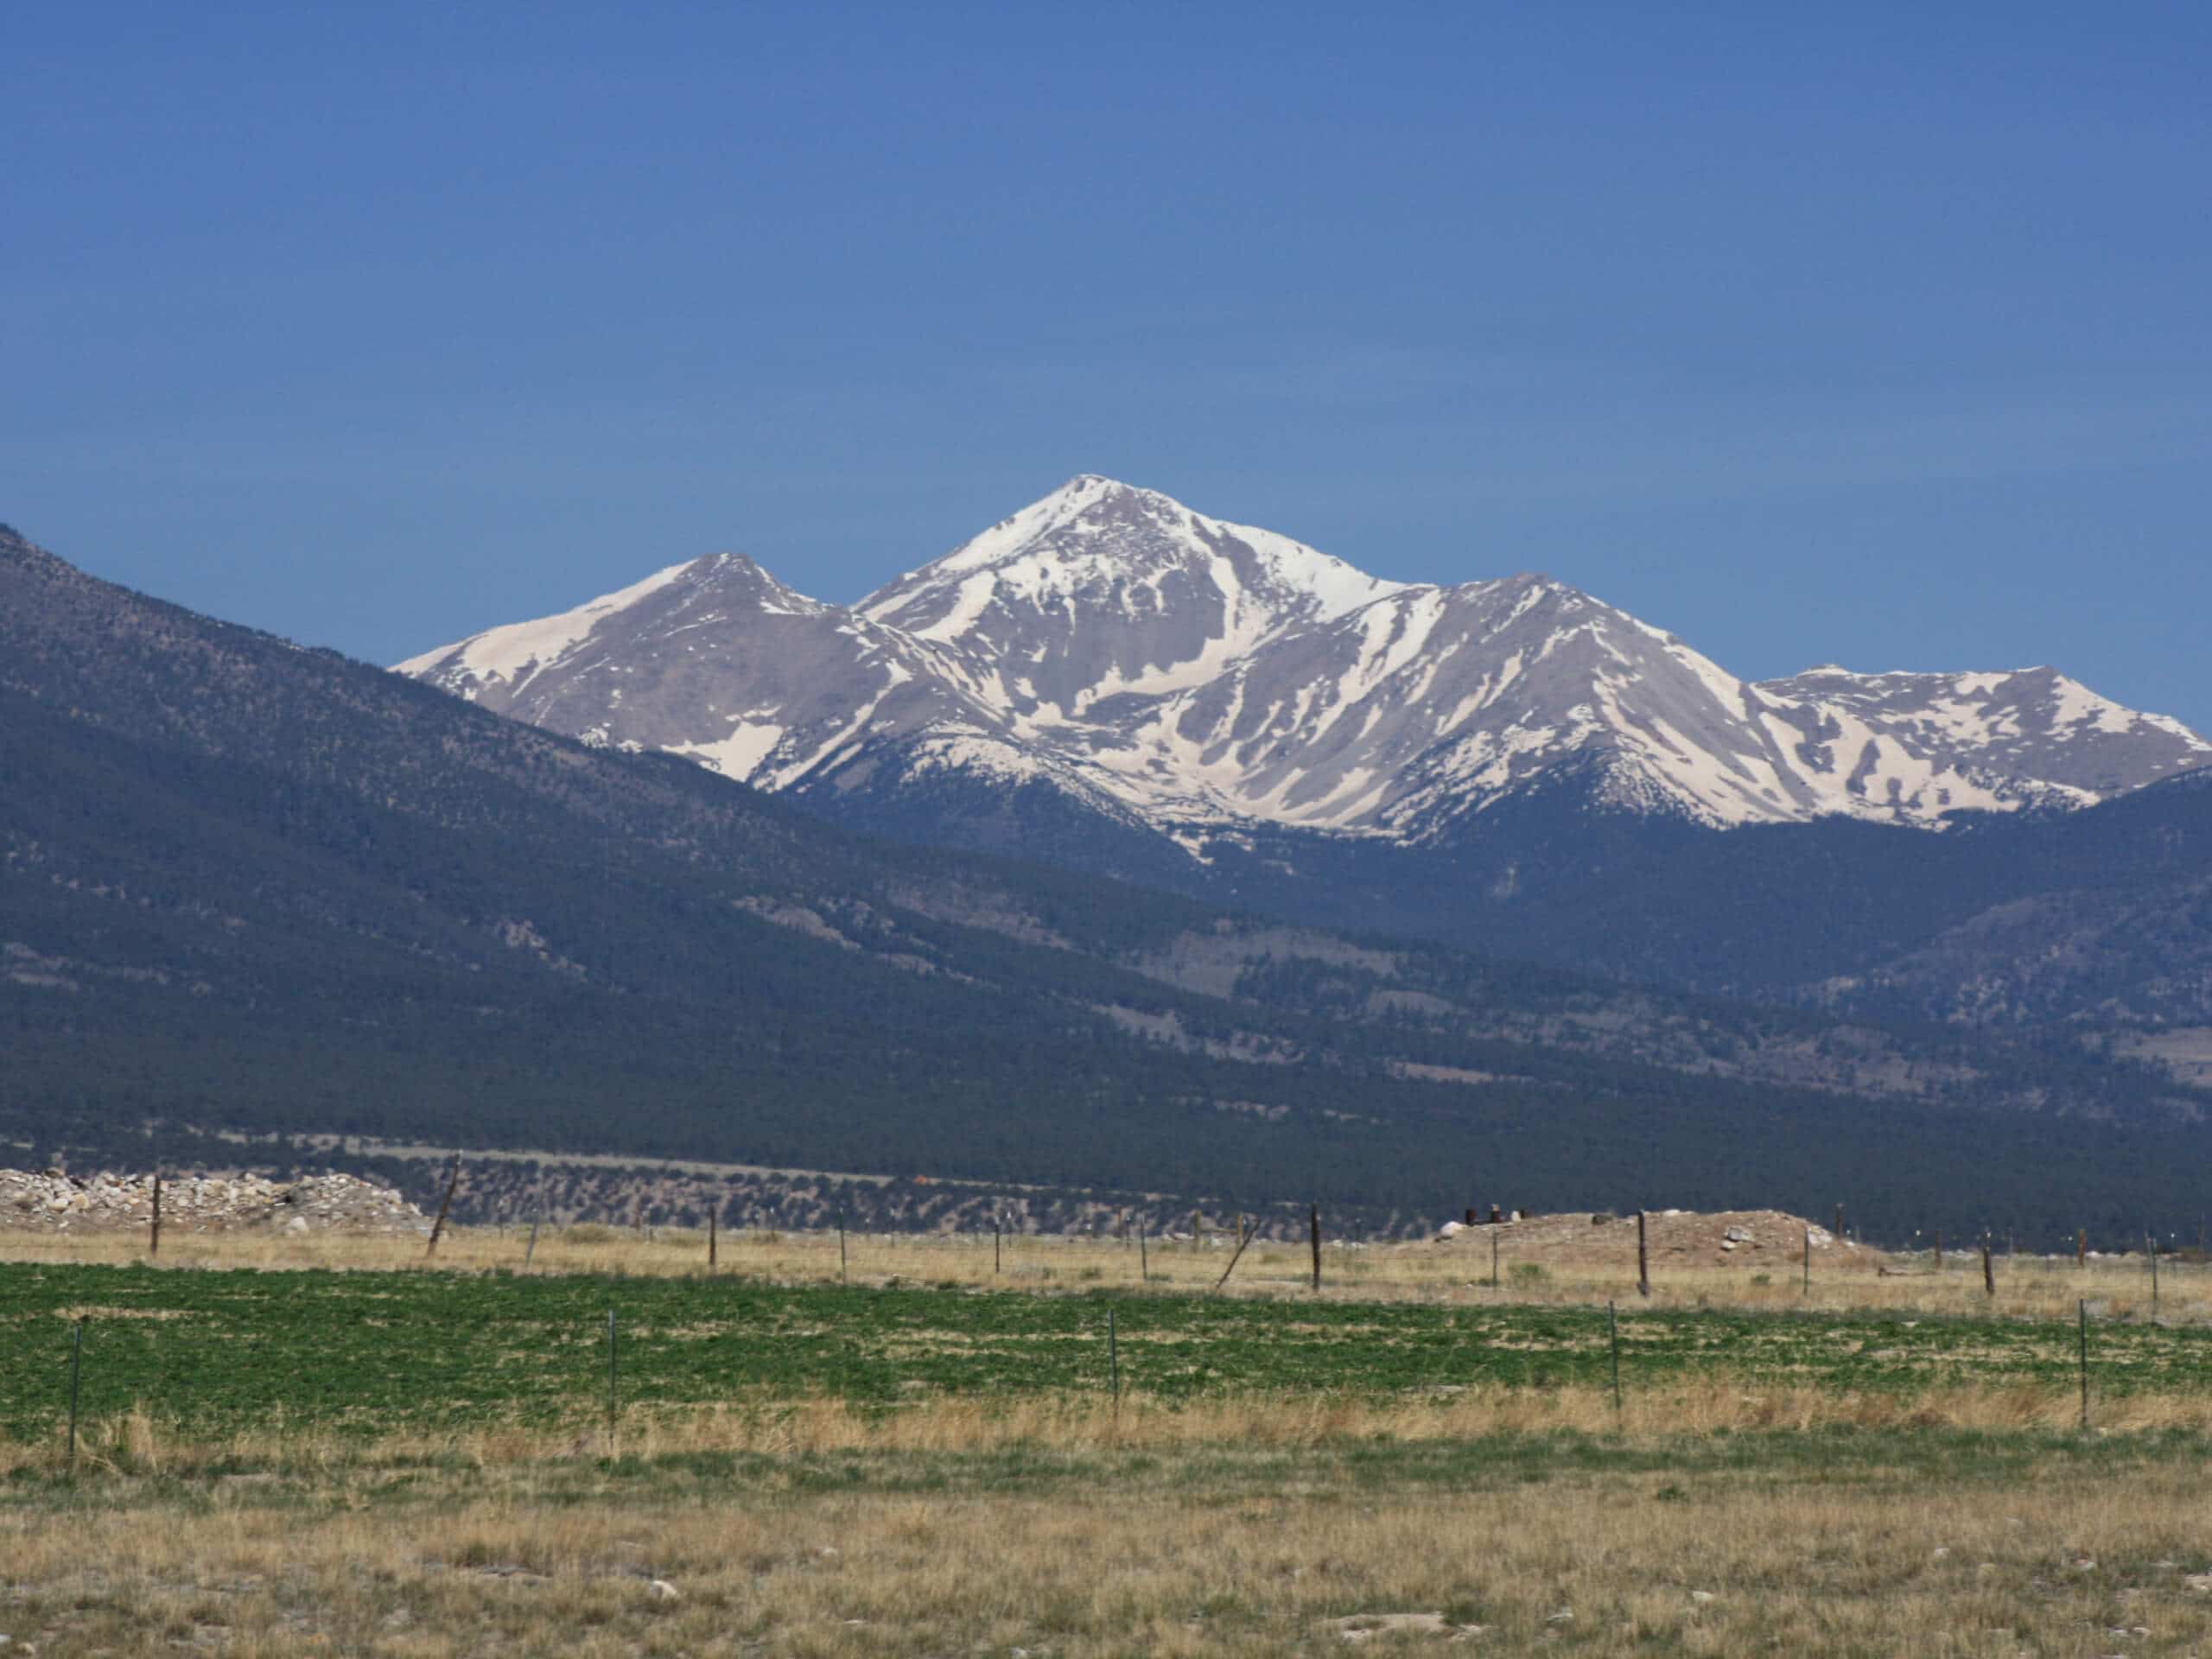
(2084, 1308)
(1314, 1217)
(445, 1204)
(2151, 1244)
(76, 1375)
(1838, 1228)
(1613, 1336)
(2082, 1246)
(611, 1397)
(1988, 1273)
(1242, 1242)
(712, 1241)
(997, 1257)
(1642, 1259)
(1144, 1257)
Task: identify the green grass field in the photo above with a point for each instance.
(210, 1353)
(414, 1463)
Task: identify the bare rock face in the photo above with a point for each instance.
(50, 1201)
(1153, 666)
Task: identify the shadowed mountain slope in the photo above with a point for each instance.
(1111, 681)
(256, 886)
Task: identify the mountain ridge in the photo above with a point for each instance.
(1195, 678)
(252, 886)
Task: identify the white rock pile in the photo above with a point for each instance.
(51, 1201)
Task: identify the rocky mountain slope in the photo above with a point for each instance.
(1111, 681)
(1171, 673)
(253, 889)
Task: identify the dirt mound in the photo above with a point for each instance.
(52, 1202)
(1764, 1240)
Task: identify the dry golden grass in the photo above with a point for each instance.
(1707, 1517)
(2031, 1287)
(1242, 1525)
(1126, 1556)
(138, 1442)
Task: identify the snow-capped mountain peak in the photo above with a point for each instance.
(510, 656)
(1102, 589)
(505, 660)
(2033, 720)
(1137, 659)
(1086, 509)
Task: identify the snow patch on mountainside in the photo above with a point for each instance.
(740, 754)
(1192, 676)
(508, 655)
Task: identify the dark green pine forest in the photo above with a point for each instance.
(251, 887)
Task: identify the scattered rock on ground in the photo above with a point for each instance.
(1751, 1238)
(1364, 1627)
(52, 1201)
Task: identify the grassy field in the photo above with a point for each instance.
(2044, 1287)
(387, 1460)
(369, 1353)
(1870, 1542)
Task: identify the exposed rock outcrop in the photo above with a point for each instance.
(51, 1201)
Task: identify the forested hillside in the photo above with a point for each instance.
(2070, 921)
(255, 886)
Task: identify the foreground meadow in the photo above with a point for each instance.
(463, 1461)
(368, 1353)
(1069, 1540)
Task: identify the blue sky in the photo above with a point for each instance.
(1874, 333)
